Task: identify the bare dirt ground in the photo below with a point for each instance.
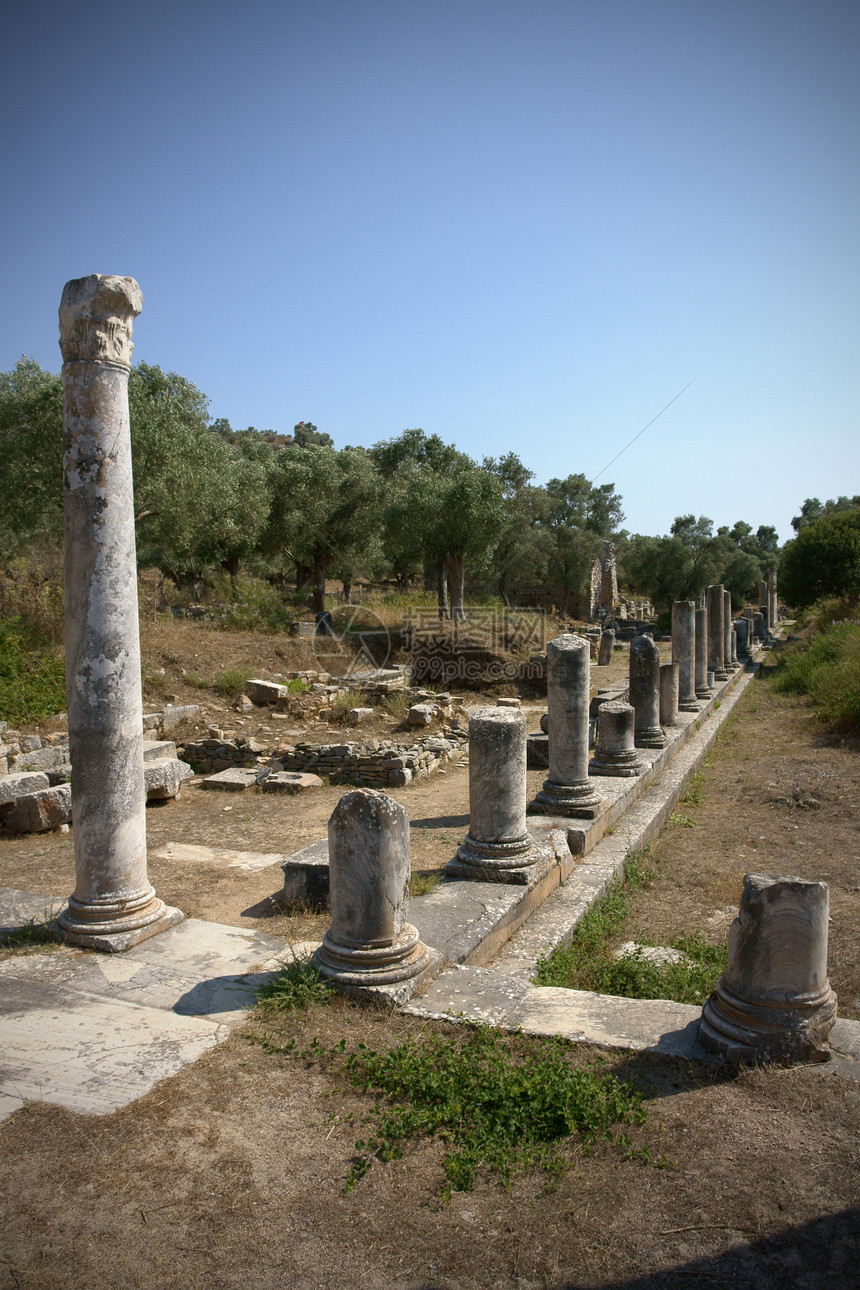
(232, 1173)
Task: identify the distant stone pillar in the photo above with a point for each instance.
(774, 1002)
(742, 627)
(762, 592)
(684, 653)
(703, 690)
(567, 789)
(727, 633)
(616, 751)
(114, 905)
(607, 645)
(716, 632)
(645, 692)
(734, 644)
(759, 628)
(369, 942)
(773, 599)
(669, 694)
(497, 841)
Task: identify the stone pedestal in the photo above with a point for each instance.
(772, 598)
(728, 662)
(716, 632)
(114, 905)
(668, 694)
(759, 628)
(607, 645)
(645, 692)
(369, 943)
(703, 690)
(774, 1002)
(567, 790)
(616, 751)
(742, 626)
(684, 653)
(497, 843)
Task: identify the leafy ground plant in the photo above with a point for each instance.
(494, 1104)
(828, 671)
(298, 985)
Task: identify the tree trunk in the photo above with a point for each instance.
(231, 566)
(302, 575)
(442, 590)
(320, 566)
(457, 572)
(347, 589)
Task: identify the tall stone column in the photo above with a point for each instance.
(684, 653)
(716, 633)
(742, 629)
(703, 690)
(567, 790)
(774, 1001)
(728, 664)
(645, 692)
(773, 599)
(114, 905)
(497, 847)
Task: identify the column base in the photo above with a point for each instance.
(744, 1030)
(690, 705)
(406, 956)
(576, 801)
(703, 692)
(477, 866)
(88, 936)
(721, 675)
(621, 764)
(651, 737)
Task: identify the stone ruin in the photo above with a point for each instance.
(773, 1002)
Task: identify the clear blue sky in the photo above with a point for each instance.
(520, 224)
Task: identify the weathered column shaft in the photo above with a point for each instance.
(497, 837)
(113, 905)
(668, 694)
(716, 632)
(567, 790)
(616, 751)
(702, 688)
(684, 653)
(607, 645)
(774, 1001)
(727, 631)
(645, 692)
(369, 942)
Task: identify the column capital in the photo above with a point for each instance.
(96, 314)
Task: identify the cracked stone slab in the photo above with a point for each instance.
(22, 908)
(78, 1050)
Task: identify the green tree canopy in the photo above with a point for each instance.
(823, 560)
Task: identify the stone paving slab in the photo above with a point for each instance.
(247, 861)
(78, 1050)
(93, 1032)
(21, 908)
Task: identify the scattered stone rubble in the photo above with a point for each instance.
(35, 783)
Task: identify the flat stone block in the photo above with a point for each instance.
(38, 812)
(164, 779)
(537, 751)
(17, 785)
(262, 692)
(157, 749)
(174, 716)
(231, 781)
(40, 759)
(306, 876)
(290, 781)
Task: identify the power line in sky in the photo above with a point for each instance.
(642, 431)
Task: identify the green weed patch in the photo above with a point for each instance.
(828, 672)
(32, 673)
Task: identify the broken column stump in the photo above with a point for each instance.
(774, 1001)
(370, 950)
